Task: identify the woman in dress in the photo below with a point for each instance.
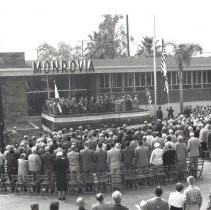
(23, 166)
(60, 167)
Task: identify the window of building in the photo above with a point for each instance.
(116, 80)
(129, 80)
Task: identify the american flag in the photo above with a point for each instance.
(163, 68)
(149, 98)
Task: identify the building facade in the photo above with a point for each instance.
(24, 90)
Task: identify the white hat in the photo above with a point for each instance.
(59, 154)
(156, 145)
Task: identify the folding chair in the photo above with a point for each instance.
(44, 183)
(6, 185)
(199, 169)
(18, 183)
(103, 182)
(30, 184)
(116, 181)
(140, 178)
(74, 182)
(128, 178)
(88, 182)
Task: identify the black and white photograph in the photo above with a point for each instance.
(105, 105)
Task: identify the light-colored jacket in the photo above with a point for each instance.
(114, 159)
(35, 162)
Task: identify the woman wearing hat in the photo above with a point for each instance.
(60, 167)
(156, 158)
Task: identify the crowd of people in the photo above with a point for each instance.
(99, 104)
(111, 150)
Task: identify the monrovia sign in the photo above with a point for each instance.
(62, 66)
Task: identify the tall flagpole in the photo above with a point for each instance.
(155, 73)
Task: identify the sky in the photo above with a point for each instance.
(25, 24)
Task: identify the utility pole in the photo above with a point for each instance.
(128, 39)
(82, 46)
(37, 51)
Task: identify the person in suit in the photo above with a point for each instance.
(114, 159)
(100, 159)
(117, 197)
(142, 156)
(60, 166)
(127, 157)
(156, 203)
(87, 159)
(47, 161)
(193, 150)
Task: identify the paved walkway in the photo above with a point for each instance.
(22, 202)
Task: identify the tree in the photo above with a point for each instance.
(146, 48)
(62, 52)
(109, 41)
(183, 54)
(46, 52)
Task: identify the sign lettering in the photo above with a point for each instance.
(70, 66)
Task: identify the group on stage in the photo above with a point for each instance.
(83, 105)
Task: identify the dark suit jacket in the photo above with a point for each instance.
(127, 156)
(156, 204)
(142, 156)
(87, 160)
(100, 160)
(117, 207)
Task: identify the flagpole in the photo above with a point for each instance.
(155, 73)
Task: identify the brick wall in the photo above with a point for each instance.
(14, 99)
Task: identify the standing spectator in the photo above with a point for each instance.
(11, 162)
(114, 159)
(117, 197)
(87, 159)
(60, 167)
(47, 161)
(35, 163)
(169, 156)
(170, 112)
(101, 205)
(181, 150)
(156, 158)
(142, 156)
(156, 203)
(193, 197)
(73, 158)
(193, 149)
(100, 159)
(159, 113)
(54, 205)
(80, 203)
(177, 199)
(2, 162)
(203, 138)
(127, 157)
(23, 166)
